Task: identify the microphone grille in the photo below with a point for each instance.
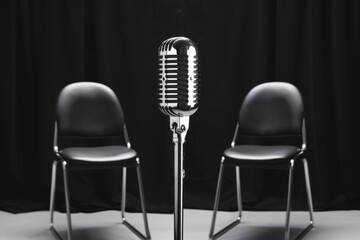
(178, 77)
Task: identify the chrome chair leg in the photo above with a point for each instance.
(309, 198)
(67, 201)
(238, 191)
(143, 205)
(310, 204)
(123, 201)
(123, 195)
(217, 198)
(308, 191)
(216, 206)
(213, 236)
(52, 193)
(52, 200)
(288, 207)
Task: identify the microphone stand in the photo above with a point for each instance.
(179, 126)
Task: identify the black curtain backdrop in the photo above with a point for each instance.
(313, 44)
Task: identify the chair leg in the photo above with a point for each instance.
(238, 190)
(123, 194)
(52, 193)
(310, 204)
(309, 198)
(217, 198)
(67, 201)
(213, 236)
(143, 205)
(308, 191)
(142, 198)
(288, 207)
(216, 206)
(52, 201)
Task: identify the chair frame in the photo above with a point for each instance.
(222, 231)
(67, 198)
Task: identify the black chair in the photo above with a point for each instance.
(270, 110)
(88, 110)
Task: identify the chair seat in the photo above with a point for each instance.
(259, 155)
(103, 155)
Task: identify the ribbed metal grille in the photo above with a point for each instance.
(178, 80)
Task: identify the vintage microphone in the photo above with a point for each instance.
(178, 98)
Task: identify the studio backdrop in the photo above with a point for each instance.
(48, 44)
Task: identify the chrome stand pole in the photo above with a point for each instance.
(179, 126)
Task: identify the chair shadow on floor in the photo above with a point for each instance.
(114, 231)
(260, 232)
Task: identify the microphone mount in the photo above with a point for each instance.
(179, 124)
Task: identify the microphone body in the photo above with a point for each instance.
(178, 98)
(178, 77)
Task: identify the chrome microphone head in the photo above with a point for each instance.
(178, 77)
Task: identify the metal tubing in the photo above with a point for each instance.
(288, 207)
(179, 127)
(67, 201)
(213, 236)
(235, 135)
(142, 198)
(238, 191)
(304, 232)
(52, 201)
(310, 205)
(217, 199)
(225, 229)
(178, 186)
(123, 195)
(308, 191)
(123, 204)
(134, 230)
(52, 193)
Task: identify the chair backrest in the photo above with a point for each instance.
(272, 109)
(88, 109)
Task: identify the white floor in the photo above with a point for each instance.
(332, 225)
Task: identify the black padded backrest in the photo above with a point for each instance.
(272, 109)
(88, 109)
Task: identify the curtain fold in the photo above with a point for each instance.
(48, 44)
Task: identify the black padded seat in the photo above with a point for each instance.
(102, 155)
(260, 156)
